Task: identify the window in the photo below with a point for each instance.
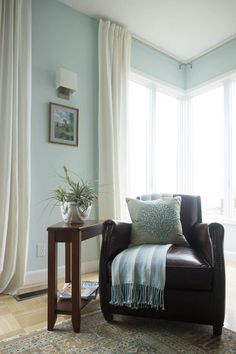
(232, 148)
(165, 167)
(184, 144)
(152, 140)
(138, 138)
(213, 114)
(208, 149)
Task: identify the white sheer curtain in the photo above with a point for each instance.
(114, 64)
(15, 99)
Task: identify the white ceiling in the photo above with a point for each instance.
(184, 29)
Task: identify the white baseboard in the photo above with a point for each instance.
(90, 267)
(230, 256)
(40, 276)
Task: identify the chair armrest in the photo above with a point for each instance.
(201, 241)
(216, 232)
(208, 240)
(115, 238)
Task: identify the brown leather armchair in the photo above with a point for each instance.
(195, 274)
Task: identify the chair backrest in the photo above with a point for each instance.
(190, 212)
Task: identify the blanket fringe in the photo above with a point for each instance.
(137, 296)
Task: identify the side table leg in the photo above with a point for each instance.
(68, 262)
(52, 280)
(76, 260)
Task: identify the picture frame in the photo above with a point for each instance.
(63, 124)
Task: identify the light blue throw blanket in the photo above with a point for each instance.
(138, 276)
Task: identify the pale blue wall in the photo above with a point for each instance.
(211, 65)
(154, 63)
(67, 38)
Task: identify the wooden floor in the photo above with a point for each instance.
(17, 317)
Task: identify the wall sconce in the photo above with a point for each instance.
(66, 83)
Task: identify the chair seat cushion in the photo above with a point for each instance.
(187, 269)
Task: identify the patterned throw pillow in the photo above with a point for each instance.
(156, 221)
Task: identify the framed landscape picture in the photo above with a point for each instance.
(63, 124)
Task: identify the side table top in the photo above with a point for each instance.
(77, 226)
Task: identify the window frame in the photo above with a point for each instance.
(185, 133)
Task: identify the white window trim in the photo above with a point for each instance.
(147, 80)
(210, 84)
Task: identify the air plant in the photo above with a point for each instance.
(74, 191)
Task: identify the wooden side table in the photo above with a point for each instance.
(72, 235)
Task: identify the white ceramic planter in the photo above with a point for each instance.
(71, 213)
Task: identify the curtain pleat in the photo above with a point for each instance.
(15, 108)
(114, 65)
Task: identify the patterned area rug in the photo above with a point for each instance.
(122, 336)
